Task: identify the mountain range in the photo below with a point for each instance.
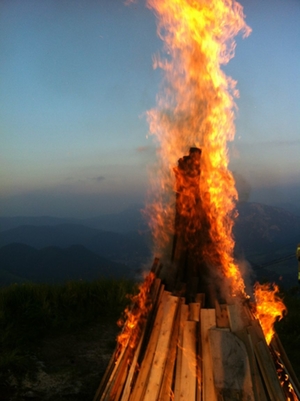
(55, 265)
(266, 239)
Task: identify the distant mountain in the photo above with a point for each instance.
(263, 234)
(7, 223)
(290, 207)
(267, 237)
(128, 220)
(52, 264)
(130, 249)
(265, 229)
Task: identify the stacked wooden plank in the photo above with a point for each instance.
(192, 346)
(189, 352)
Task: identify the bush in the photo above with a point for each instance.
(30, 311)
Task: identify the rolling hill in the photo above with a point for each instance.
(20, 263)
(265, 236)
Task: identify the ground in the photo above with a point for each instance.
(70, 366)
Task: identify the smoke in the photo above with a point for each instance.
(243, 187)
(247, 274)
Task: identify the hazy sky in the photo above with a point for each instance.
(77, 78)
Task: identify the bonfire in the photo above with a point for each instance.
(193, 332)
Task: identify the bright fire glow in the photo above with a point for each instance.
(137, 314)
(195, 108)
(269, 308)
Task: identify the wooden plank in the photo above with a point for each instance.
(162, 349)
(155, 266)
(155, 289)
(265, 362)
(189, 362)
(231, 368)
(146, 364)
(235, 317)
(112, 378)
(117, 390)
(200, 298)
(166, 387)
(151, 320)
(257, 332)
(222, 319)
(199, 383)
(184, 310)
(113, 369)
(278, 348)
(194, 312)
(108, 373)
(268, 371)
(207, 321)
(132, 369)
(257, 385)
(117, 377)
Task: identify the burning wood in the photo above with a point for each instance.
(192, 345)
(193, 333)
(185, 355)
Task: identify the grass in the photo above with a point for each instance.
(29, 312)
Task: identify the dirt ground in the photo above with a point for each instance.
(70, 366)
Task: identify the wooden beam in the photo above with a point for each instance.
(132, 370)
(222, 318)
(166, 386)
(231, 368)
(161, 352)
(139, 388)
(117, 378)
(235, 317)
(106, 377)
(184, 310)
(200, 298)
(257, 384)
(207, 321)
(189, 363)
(194, 312)
(265, 362)
(269, 373)
(280, 351)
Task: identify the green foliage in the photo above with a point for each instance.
(30, 311)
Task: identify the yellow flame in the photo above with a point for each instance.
(196, 108)
(136, 316)
(269, 308)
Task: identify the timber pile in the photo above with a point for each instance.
(192, 345)
(190, 352)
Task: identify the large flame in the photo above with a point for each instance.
(136, 316)
(196, 108)
(269, 308)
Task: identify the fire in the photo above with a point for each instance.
(269, 308)
(195, 108)
(137, 314)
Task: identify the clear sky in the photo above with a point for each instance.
(77, 78)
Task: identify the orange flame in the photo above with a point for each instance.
(269, 308)
(137, 314)
(195, 109)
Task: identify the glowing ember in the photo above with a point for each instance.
(269, 308)
(137, 314)
(195, 108)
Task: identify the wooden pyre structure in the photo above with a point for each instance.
(190, 345)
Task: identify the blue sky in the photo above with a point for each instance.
(77, 78)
